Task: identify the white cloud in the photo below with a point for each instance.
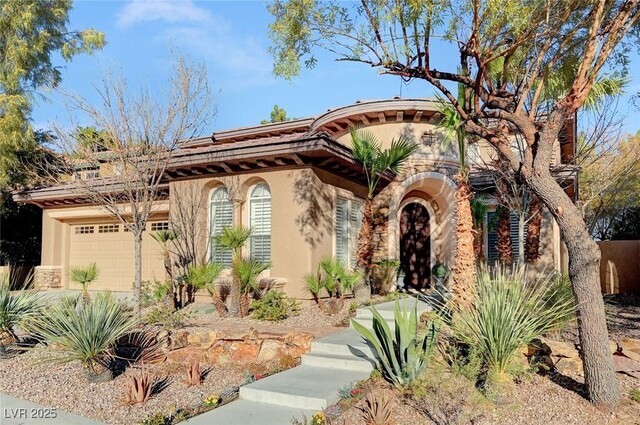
(138, 11)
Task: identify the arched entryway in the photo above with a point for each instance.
(415, 245)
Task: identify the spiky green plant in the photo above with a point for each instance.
(234, 238)
(16, 308)
(204, 276)
(403, 351)
(248, 271)
(506, 312)
(334, 276)
(84, 276)
(85, 332)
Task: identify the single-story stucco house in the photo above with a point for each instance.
(296, 184)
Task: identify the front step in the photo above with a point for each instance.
(333, 361)
(345, 343)
(303, 387)
(387, 310)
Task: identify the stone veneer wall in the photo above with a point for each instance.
(46, 277)
(242, 346)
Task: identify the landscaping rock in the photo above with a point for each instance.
(186, 355)
(562, 349)
(271, 350)
(630, 348)
(244, 352)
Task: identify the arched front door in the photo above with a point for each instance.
(415, 246)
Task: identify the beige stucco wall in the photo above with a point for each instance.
(625, 256)
(302, 211)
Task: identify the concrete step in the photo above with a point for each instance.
(303, 387)
(387, 310)
(344, 343)
(332, 361)
(250, 412)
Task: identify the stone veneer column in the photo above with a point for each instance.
(48, 277)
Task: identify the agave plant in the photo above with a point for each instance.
(86, 332)
(84, 276)
(16, 308)
(139, 386)
(404, 351)
(506, 312)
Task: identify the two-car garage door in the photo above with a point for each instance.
(112, 249)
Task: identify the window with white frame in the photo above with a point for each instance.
(158, 226)
(260, 222)
(220, 216)
(348, 221)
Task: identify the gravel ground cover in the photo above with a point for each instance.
(65, 386)
(539, 400)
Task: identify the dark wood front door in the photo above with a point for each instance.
(415, 246)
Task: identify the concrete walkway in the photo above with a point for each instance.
(14, 411)
(333, 362)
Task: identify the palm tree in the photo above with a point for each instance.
(204, 277)
(464, 268)
(84, 276)
(234, 238)
(164, 238)
(376, 161)
(479, 211)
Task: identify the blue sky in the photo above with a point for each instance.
(231, 39)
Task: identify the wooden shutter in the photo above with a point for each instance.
(342, 229)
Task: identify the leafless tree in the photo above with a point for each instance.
(140, 130)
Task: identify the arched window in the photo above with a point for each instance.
(260, 222)
(220, 216)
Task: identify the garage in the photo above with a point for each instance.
(111, 247)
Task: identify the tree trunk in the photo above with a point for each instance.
(504, 248)
(464, 268)
(584, 264)
(236, 289)
(532, 248)
(169, 298)
(365, 246)
(137, 288)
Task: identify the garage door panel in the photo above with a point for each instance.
(114, 254)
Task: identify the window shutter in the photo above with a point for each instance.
(355, 221)
(492, 236)
(221, 210)
(260, 222)
(342, 230)
(514, 235)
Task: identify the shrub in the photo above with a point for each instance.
(505, 313)
(403, 352)
(333, 276)
(204, 277)
(384, 276)
(154, 292)
(274, 306)
(84, 276)
(85, 331)
(160, 316)
(351, 391)
(16, 309)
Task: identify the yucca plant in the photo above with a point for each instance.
(506, 312)
(404, 351)
(234, 238)
(85, 332)
(194, 376)
(204, 277)
(84, 276)
(16, 308)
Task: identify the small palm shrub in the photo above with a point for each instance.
(234, 238)
(384, 276)
(274, 306)
(506, 312)
(248, 271)
(204, 277)
(84, 276)
(404, 351)
(16, 308)
(86, 332)
(336, 278)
